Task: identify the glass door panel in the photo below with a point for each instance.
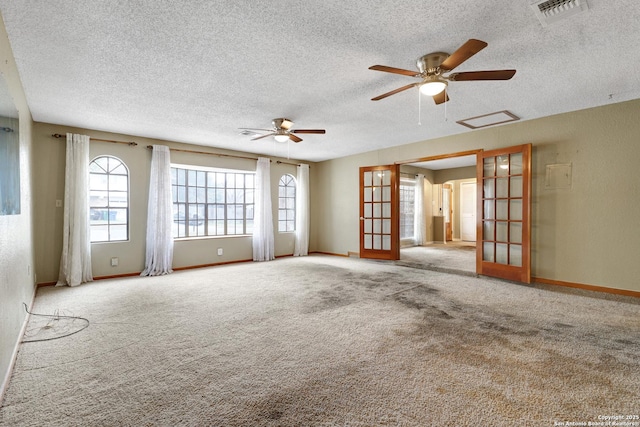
(501, 231)
(502, 209)
(501, 253)
(489, 188)
(515, 255)
(515, 209)
(502, 187)
(515, 232)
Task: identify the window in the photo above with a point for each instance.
(211, 202)
(287, 204)
(108, 199)
(407, 205)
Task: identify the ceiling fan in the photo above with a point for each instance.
(281, 131)
(433, 66)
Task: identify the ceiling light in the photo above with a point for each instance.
(433, 87)
(281, 137)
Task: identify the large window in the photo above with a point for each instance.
(211, 202)
(287, 204)
(108, 199)
(407, 206)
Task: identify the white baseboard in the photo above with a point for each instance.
(14, 355)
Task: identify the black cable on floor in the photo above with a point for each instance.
(56, 317)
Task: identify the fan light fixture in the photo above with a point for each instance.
(281, 138)
(433, 87)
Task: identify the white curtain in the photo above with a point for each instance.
(75, 263)
(159, 253)
(301, 246)
(263, 242)
(419, 217)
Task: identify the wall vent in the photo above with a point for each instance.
(550, 11)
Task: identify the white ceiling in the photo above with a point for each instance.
(195, 71)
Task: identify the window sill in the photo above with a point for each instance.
(186, 239)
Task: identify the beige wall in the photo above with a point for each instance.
(444, 175)
(584, 234)
(49, 184)
(16, 237)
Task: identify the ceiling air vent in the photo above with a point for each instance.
(550, 11)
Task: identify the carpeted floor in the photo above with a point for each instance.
(325, 341)
(452, 257)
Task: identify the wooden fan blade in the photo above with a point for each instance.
(482, 75)
(294, 138)
(393, 92)
(394, 70)
(441, 97)
(262, 136)
(309, 131)
(464, 52)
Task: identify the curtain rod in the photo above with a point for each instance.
(133, 144)
(58, 135)
(222, 155)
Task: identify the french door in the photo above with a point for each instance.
(379, 212)
(504, 213)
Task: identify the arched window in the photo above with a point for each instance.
(108, 199)
(287, 203)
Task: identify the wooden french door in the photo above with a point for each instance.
(503, 223)
(379, 207)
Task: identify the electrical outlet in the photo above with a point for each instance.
(220, 251)
(114, 261)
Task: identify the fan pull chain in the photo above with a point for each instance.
(445, 104)
(419, 109)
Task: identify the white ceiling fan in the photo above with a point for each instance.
(281, 131)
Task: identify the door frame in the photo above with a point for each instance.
(479, 155)
(442, 157)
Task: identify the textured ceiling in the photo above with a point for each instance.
(195, 71)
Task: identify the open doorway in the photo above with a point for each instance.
(503, 208)
(445, 223)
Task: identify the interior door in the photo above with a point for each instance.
(468, 211)
(379, 209)
(503, 226)
(447, 209)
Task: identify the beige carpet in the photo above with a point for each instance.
(452, 257)
(325, 341)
